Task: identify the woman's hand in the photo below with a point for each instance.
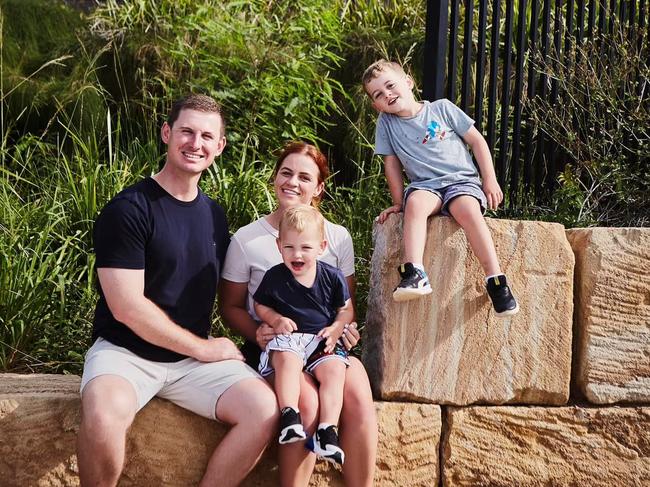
(264, 334)
(350, 336)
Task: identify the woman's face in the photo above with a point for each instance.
(297, 181)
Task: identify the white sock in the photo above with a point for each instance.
(419, 267)
(323, 426)
(493, 275)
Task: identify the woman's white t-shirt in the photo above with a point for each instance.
(253, 251)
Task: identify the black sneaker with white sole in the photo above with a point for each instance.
(325, 444)
(291, 429)
(503, 301)
(414, 283)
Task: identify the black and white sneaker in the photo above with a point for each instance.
(503, 301)
(414, 283)
(291, 426)
(325, 444)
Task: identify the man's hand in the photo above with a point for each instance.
(218, 349)
(331, 334)
(264, 334)
(350, 336)
(493, 193)
(284, 326)
(391, 209)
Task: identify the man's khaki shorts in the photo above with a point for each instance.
(193, 385)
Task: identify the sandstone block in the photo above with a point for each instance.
(537, 447)
(39, 421)
(407, 453)
(612, 281)
(449, 347)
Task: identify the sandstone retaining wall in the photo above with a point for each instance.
(39, 420)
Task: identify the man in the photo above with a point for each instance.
(160, 246)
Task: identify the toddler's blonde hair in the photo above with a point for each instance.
(301, 218)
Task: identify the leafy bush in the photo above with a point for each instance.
(602, 122)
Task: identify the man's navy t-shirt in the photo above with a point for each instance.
(180, 245)
(311, 308)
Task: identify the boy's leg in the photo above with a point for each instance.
(420, 204)
(288, 367)
(330, 374)
(288, 371)
(414, 282)
(466, 210)
(295, 461)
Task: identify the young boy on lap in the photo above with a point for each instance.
(428, 141)
(307, 303)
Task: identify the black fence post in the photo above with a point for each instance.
(435, 49)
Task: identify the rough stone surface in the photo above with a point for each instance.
(408, 449)
(535, 446)
(449, 347)
(39, 421)
(612, 281)
(39, 418)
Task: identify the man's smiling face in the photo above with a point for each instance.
(193, 141)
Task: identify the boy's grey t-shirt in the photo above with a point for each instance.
(429, 145)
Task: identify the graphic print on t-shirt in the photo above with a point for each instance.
(434, 130)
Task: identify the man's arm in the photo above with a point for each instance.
(481, 152)
(393, 172)
(124, 293)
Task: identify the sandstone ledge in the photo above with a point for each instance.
(534, 446)
(448, 347)
(612, 281)
(39, 420)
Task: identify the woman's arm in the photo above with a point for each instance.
(232, 306)
(351, 336)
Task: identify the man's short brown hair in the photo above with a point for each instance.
(380, 66)
(200, 103)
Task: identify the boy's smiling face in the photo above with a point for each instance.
(300, 250)
(392, 92)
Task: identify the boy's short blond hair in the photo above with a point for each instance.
(378, 67)
(301, 218)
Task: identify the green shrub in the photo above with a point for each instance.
(602, 123)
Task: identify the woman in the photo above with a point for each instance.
(299, 178)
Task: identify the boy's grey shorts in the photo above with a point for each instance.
(307, 346)
(193, 385)
(450, 192)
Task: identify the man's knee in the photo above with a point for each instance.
(251, 401)
(108, 403)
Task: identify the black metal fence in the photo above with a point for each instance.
(487, 70)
